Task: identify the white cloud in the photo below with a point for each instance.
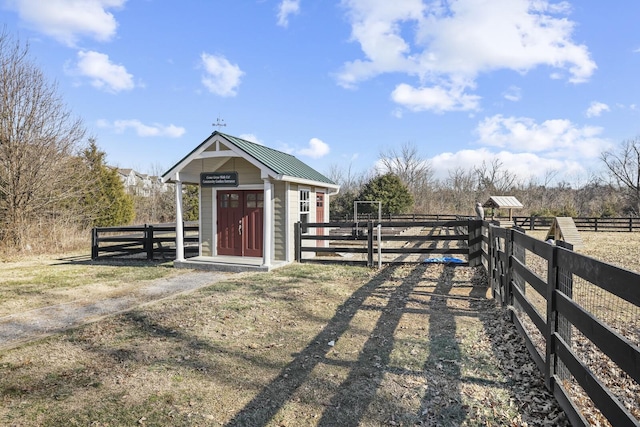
(435, 98)
(287, 8)
(525, 166)
(102, 72)
(449, 43)
(317, 148)
(68, 20)
(143, 130)
(513, 93)
(557, 138)
(596, 109)
(222, 77)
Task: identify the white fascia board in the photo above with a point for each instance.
(308, 182)
(174, 171)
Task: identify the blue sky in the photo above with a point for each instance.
(542, 86)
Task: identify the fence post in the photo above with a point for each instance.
(370, 243)
(297, 232)
(552, 277)
(148, 241)
(520, 254)
(94, 243)
(560, 279)
(491, 248)
(508, 249)
(474, 242)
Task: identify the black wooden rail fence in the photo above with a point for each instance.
(579, 317)
(582, 223)
(627, 224)
(343, 235)
(148, 241)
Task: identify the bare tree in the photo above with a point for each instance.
(408, 165)
(38, 142)
(413, 170)
(341, 206)
(623, 166)
(494, 178)
(462, 195)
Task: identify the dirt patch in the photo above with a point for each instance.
(90, 304)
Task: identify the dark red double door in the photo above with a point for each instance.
(240, 225)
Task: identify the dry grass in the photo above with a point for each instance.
(302, 345)
(37, 282)
(619, 249)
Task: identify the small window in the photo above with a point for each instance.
(228, 200)
(304, 209)
(251, 200)
(304, 201)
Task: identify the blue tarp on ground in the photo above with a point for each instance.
(444, 260)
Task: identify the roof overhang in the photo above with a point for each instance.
(179, 172)
(216, 146)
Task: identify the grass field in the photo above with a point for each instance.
(302, 345)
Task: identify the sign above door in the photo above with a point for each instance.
(219, 179)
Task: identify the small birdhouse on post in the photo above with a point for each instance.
(503, 202)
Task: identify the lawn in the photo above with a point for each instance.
(301, 345)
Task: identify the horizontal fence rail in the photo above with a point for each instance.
(625, 224)
(580, 318)
(386, 241)
(148, 241)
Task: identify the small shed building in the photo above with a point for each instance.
(250, 198)
(503, 202)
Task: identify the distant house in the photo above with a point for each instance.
(140, 184)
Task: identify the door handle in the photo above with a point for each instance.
(240, 227)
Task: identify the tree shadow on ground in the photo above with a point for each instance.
(263, 407)
(353, 397)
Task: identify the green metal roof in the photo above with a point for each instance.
(279, 162)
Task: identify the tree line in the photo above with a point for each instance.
(54, 180)
(410, 179)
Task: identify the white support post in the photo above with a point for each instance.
(267, 226)
(179, 223)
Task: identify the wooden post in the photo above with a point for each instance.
(518, 253)
(370, 243)
(148, 241)
(94, 243)
(297, 232)
(474, 236)
(508, 248)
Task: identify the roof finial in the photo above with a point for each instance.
(219, 123)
